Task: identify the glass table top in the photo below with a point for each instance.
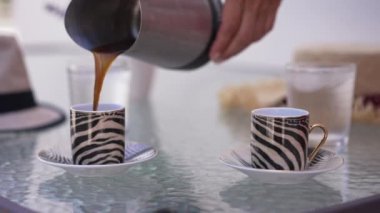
(184, 122)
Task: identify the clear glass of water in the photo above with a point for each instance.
(116, 84)
(327, 92)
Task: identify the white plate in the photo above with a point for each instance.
(135, 154)
(239, 158)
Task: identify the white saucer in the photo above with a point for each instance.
(135, 153)
(239, 158)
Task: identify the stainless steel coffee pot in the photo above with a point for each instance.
(174, 34)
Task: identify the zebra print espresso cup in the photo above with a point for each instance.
(97, 137)
(279, 139)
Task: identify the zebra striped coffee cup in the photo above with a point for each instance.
(97, 137)
(279, 139)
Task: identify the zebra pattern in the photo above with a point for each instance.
(54, 157)
(279, 143)
(319, 162)
(97, 138)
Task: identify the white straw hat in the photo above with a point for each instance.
(18, 108)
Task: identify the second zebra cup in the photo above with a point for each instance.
(280, 139)
(97, 137)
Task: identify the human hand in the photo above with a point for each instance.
(243, 22)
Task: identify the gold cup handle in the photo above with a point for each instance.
(323, 141)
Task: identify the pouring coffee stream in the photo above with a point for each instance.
(174, 34)
(111, 38)
(103, 62)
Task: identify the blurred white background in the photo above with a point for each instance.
(40, 21)
(302, 22)
(299, 22)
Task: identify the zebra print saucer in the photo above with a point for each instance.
(239, 159)
(135, 153)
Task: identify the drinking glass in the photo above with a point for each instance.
(326, 91)
(116, 84)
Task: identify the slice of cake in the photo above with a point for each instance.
(249, 96)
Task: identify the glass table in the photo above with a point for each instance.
(184, 122)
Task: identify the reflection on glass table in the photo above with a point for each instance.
(184, 122)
